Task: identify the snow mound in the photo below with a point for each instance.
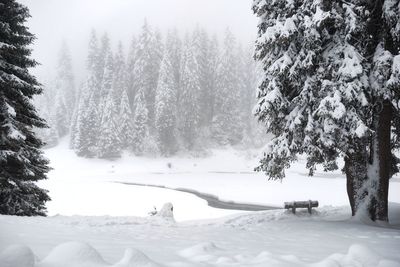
(202, 248)
(17, 256)
(209, 253)
(73, 254)
(250, 220)
(167, 211)
(205, 252)
(358, 255)
(135, 258)
(76, 254)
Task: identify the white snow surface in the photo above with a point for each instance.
(80, 186)
(95, 222)
(269, 238)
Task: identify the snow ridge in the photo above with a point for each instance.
(77, 254)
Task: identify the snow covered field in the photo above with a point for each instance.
(111, 218)
(81, 186)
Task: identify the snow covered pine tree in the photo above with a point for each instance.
(21, 160)
(331, 89)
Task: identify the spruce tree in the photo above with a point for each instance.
(74, 120)
(106, 83)
(120, 77)
(45, 107)
(140, 124)
(125, 130)
(201, 45)
(88, 114)
(86, 137)
(327, 94)
(102, 56)
(109, 143)
(130, 65)
(60, 114)
(21, 160)
(174, 46)
(213, 63)
(146, 69)
(227, 128)
(247, 81)
(65, 87)
(165, 117)
(189, 101)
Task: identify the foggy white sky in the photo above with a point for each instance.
(72, 20)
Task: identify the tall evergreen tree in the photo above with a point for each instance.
(65, 86)
(212, 81)
(104, 70)
(189, 102)
(109, 143)
(174, 46)
(165, 117)
(60, 114)
(21, 160)
(103, 54)
(88, 116)
(201, 45)
(45, 104)
(147, 64)
(86, 138)
(140, 123)
(74, 120)
(93, 64)
(130, 66)
(321, 95)
(247, 81)
(106, 83)
(120, 79)
(227, 128)
(125, 131)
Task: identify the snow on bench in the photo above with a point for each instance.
(301, 204)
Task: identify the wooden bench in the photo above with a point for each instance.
(301, 204)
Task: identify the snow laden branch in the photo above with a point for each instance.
(331, 90)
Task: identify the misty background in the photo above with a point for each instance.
(149, 77)
(55, 21)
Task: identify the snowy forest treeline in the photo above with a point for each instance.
(166, 94)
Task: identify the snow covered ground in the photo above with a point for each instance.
(110, 218)
(267, 238)
(81, 186)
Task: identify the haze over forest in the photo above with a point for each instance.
(57, 20)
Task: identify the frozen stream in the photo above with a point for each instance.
(212, 200)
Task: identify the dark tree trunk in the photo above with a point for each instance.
(384, 160)
(368, 191)
(355, 169)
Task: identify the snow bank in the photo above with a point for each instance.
(76, 254)
(134, 257)
(17, 256)
(357, 255)
(71, 254)
(201, 252)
